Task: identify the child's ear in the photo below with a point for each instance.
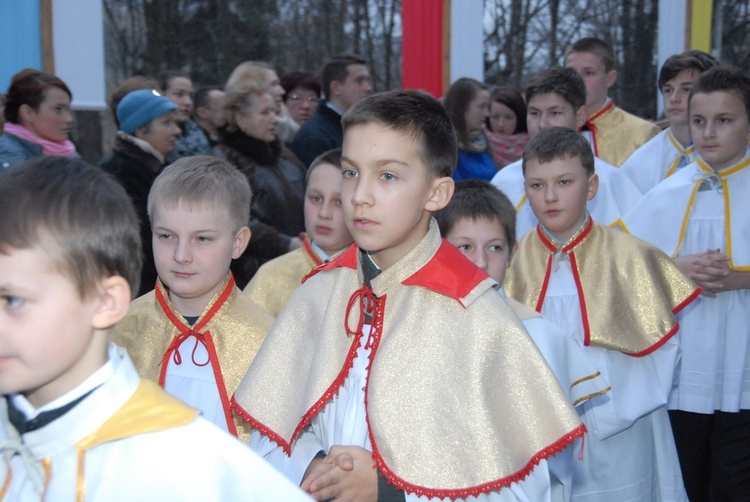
(611, 78)
(593, 186)
(241, 240)
(113, 302)
(512, 254)
(442, 191)
(581, 116)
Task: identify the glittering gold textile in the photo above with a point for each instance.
(618, 134)
(458, 395)
(630, 289)
(273, 284)
(237, 329)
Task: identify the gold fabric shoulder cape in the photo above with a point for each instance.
(629, 291)
(459, 400)
(617, 134)
(273, 284)
(233, 334)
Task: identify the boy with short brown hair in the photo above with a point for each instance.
(366, 384)
(614, 133)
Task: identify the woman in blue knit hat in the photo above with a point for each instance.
(148, 132)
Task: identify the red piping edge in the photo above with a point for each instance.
(545, 283)
(256, 425)
(687, 301)
(581, 301)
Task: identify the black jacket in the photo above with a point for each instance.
(321, 133)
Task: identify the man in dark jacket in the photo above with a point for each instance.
(346, 80)
(148, 132)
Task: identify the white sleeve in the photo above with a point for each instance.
(294, 466)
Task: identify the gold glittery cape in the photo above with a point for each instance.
(273, 284)
(236, 331)
(661, 216)
(459, 401)
(616, 134)
(629, 291)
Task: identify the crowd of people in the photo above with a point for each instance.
(293, 288)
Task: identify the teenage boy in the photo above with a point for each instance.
(556, 97)
(616, 295)
(480, 221)
(346, 80)
(76, 421)
(672, 148)
(366, 384)
(327, 236)
(196, 334)
(701, 216)
(614, 133)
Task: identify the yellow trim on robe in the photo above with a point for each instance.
(149, 409)
(238, 330)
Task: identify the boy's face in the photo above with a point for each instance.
(193, 248)
(484, 242)
(598, 80)
(48, 341)
(324, 217)
(387, 192)
(719, 127)
(558, 191)
(675, 93)
(552, 110)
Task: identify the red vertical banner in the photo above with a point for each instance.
(422, 45)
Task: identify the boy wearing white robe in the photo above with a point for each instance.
(396, 370)
(700, 216)
(671, 149)
(556, 97)
(617, 296)
(76, 421)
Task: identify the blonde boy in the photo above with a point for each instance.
(327, 236)
(196, 334)
(556, 97)
(614, 133)
(367, 385)
(700, 216)
(76, 421)
(616, 295)
(671, 149)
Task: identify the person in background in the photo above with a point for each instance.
(505, 128)
(148, 133)
(346, 80)
(248, 140)
(302, 95)
(126, 87)
(265, 74)
(468, 105)
(207, 110)
(38, 119)
(2, 113)
(178, 88)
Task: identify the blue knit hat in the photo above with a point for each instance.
(138, 108)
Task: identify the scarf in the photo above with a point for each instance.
(476, 142)
(53, 148)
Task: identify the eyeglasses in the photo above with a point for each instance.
(296, 98)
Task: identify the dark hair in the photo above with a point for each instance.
(165, 77)
(596, 46)
(303, 79)
(337, 69)
(332, 157)
(559, 143)
(78, 213)
(724, 78)
(29, 87)
(564, 82)
(132, 84)
(201, 96)
(478, 200)
(512, 98)
(414, 114)
(456, 101)
(690, 60)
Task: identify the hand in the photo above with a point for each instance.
(295, 243)
(351, 476)
(708, 270)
